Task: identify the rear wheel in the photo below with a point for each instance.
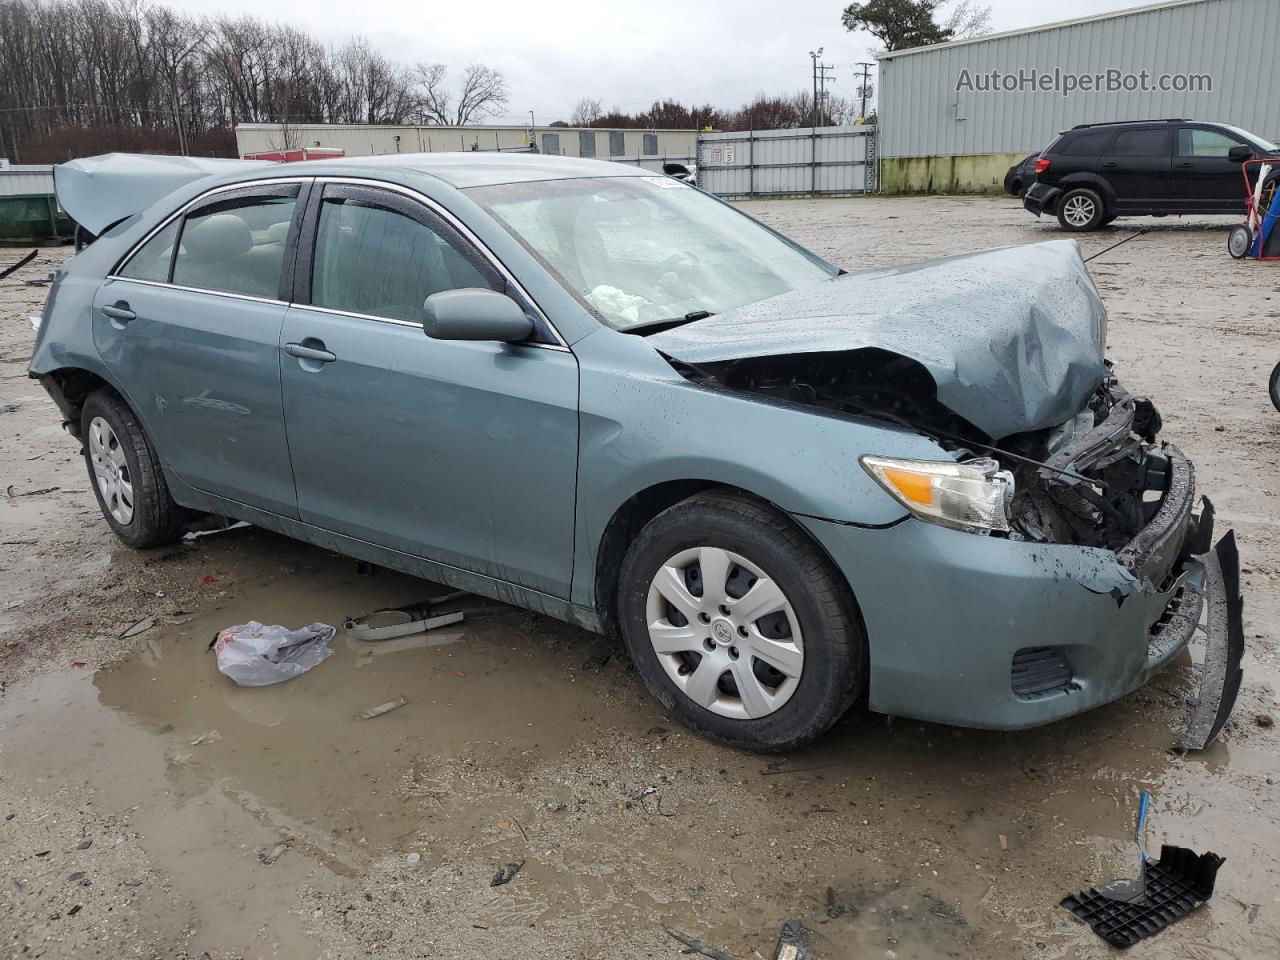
(739, 625)
(1080, 209)
(1239, 241)
(125, 474)
(1274, 386)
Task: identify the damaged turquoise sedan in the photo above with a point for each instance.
(606, 396)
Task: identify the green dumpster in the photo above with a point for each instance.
(29, 218)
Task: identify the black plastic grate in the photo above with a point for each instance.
(1126, 912)
(1040, 670)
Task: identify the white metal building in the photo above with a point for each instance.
(366, 139)
(947, 123)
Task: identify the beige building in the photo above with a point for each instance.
(358, 140)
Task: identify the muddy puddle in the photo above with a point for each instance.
(526, 741)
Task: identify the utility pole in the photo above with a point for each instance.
(813, 56)
(866, 70)
(825, 72)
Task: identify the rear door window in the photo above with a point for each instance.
(1193, 142)
(372, 257)
(1141, 143)
(237, 244)
(1087, 144)
(154, 258)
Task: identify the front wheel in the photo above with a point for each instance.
(1274, 386)
(1081, 209)
(125, 474)
(739, 625)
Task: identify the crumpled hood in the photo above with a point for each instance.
(1013, 338)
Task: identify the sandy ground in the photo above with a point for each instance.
(140, 792)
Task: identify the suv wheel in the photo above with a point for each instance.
(739, 625)
(1274, 386)
(1080, 209)
(125, 474)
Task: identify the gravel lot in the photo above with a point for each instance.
(140, 792)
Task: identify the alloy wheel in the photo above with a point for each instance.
(1079, 210)
(725, 633)
(111, 470)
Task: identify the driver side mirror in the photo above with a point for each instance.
(1239, 154)
(473, 313)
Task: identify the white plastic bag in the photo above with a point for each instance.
(254, 655)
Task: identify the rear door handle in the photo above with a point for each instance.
(1110, 164)
(303, 352)
(119, 311)
(1184, 166)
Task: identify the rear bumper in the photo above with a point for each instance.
(949, 616)
(1041, 198)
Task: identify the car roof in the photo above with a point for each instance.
(471, 168)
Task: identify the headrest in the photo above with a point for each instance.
(221, 236)
(278, 232)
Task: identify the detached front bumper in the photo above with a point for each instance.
(1004, 634)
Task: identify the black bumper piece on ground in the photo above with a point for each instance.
(1222, 673)
(1124, 912)
(1041, 198)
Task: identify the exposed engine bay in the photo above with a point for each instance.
(1096, 480)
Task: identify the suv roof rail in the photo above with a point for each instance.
(1116, 123)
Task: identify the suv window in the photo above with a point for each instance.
(1088, 144)
(1141, 143)
(235, 246)
(154, 258)
(1204, 143)
(375, 260)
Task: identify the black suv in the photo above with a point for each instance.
(1096, 172)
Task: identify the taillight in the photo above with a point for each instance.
(1042, 164)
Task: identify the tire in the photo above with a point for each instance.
(1274, 387)
(748, 542)
(1080, 210)
(1109, 219)
(125, 474)
(1239, 241)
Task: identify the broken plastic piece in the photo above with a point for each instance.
(1124, 912)
(696, 945)
(254, 655)
(793, 942)
(407, 620)
(506, 873)
(1222, 672)
(381, 708)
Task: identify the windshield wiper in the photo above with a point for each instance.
(657, 326)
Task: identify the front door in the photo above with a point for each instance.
(1204, 178)
(1136, 164)
(190, 327)
(461, 452)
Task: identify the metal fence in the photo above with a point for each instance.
(807, 161)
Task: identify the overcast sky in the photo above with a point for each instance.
(624, 53)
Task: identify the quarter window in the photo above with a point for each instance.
(235, 246)
(374, 260)
(1204, 143)
(153, 258)
(1085, 144)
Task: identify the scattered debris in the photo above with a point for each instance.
(389, 623)
(142, 626)
(209, 736)
(9, 408)
(1126, 911)
(84, 844)
(1266, 721)
(200, 530)
(1222, 672)
(506, 873)
(19, 265)
(79, 663)
(35, 322)
(1004, 841)
(379, 709)
(793, 941)
(413, 858)
(74, 910)
(696, 945)
(75, 877)
(255, 655)
(835, 906)
(29, 493)
(268, 857)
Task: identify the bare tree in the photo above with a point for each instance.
(968, 19)
(482, 94)
(586, 112)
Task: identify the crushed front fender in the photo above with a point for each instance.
(1222, 671)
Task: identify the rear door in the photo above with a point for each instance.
(1204, 179)
(1136, 163)
(190, 326)
(461, 452)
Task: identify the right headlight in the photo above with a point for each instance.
(973, 495)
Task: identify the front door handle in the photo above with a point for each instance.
(304, 352)
(1111, 164)
(119, 311)
(1184, 166)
